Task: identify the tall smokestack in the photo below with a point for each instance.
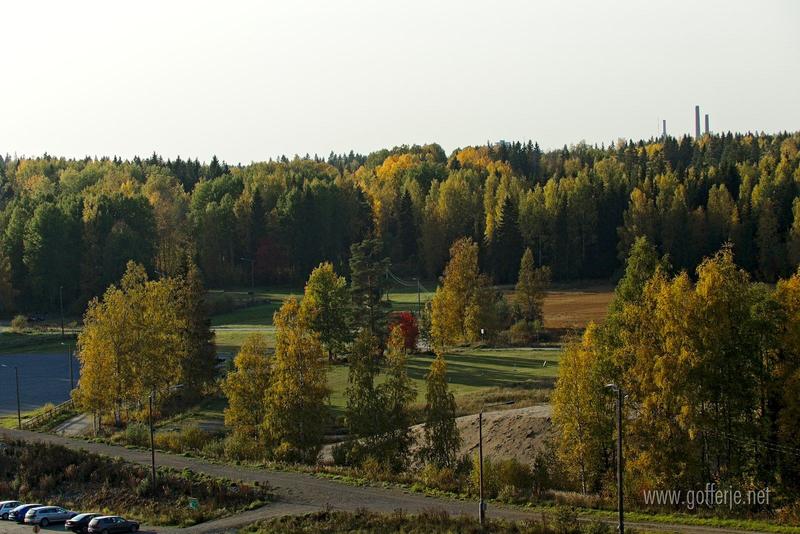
(664, 128)
(697, 122)
(707, 124)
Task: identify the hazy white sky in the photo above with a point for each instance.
(251, 80)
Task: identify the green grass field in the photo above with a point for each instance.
(474, 375)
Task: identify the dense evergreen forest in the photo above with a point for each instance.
(68, 227)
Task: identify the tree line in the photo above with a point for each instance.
(710, 365)
(69, 227)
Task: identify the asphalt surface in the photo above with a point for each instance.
(301, 493)
(43, 378)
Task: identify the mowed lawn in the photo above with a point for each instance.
(472, 371)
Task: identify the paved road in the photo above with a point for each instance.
(43, 378)
(302, 493)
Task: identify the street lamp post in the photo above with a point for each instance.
(481, 503)
(152, 439)
(16, 376)
(69, 362)
(620, 466)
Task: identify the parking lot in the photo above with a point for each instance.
(10, 527)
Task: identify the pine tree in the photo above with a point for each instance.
(198, 368)
(506, 244)
(368, 283)
(441, 436)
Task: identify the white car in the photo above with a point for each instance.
(6, 507)
(47, 515)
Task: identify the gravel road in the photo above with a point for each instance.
(301, 493)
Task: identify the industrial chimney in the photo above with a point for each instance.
(697, 122)
(664, 129)
(706, 123)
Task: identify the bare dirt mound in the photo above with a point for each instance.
(517, 433)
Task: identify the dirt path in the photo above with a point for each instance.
(80, 425)
(302, 493)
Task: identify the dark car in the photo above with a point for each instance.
(111, 524)
(80, 523)
(18, 513)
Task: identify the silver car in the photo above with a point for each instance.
(6, 507)
(47, 515)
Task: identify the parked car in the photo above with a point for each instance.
(46, 515)
(111, 524)
(6, 507)
(18, 513)
(80, 523)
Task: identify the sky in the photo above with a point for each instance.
(252, 80)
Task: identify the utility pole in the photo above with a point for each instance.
(71, 375)
(16, 376)
(620, 465)
(68, 345)
(61, 306)
(152, 440)
(481, 504)
(419, 299)
(19, 413)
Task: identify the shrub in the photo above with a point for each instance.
(241, 447)
(341, 453)
(524, 332)
(407, 323)
(597, 527)
(566, 520)
(19, 324)
(214, 449)
(511, 476)
(137, 434)
(193, 438)
(169, 441)
(443, 478)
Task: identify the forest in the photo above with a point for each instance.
(68, 227)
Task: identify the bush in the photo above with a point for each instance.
(214, 449)
(341, 453)
(19, 324)
(193, 438)
(137, 434)
(510, 476)
(407, 324)
(566, 520)
(241, 447)
(597, 527)
(443, 478)
(524, 332)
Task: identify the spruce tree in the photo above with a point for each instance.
(441, 435)
(199, 366)
(365, 413)
(368, 283)
(407, 227)
(506, 244)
